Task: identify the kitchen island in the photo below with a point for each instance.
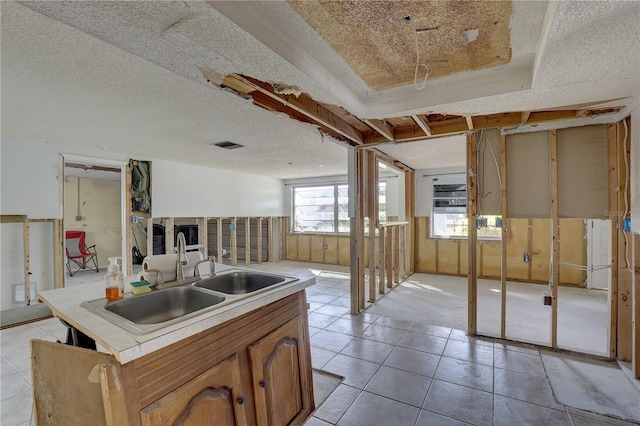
(245, 362)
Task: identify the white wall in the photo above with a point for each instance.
(182, 190)
(424, 182)
(30, 185)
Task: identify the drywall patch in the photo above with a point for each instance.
(376, 41)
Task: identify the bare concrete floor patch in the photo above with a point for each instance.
(592, 385)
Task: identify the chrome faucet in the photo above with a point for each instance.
(212, 267)
(182, 257)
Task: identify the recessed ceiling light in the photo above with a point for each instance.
(228, 145)
(101, 148)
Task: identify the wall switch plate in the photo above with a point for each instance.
(546, 300)
(325, 246)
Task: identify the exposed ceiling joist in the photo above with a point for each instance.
(420, 121)
(302, 103)
(381, 127)
(469, 122)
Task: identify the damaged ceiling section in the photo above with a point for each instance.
(341, 125)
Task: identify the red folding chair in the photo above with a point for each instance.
(78, 253)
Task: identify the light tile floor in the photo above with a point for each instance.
(396, 372)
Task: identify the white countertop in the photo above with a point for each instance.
(126, 346)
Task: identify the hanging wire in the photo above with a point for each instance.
(426, 67)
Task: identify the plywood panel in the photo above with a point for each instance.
(540, 249)
(331, 253)
(528, 171)
(491, 260)
(304, 247)
(317, 250)
(343, 250)
(582, 172)
(448, 257)
(292, 247)
(573, 249)
(516, 268)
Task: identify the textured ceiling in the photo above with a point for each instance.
(381, 40)
(124, 75)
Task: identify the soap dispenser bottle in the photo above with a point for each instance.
(114, 281)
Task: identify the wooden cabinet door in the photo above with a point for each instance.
(280, 373)
(213, 397)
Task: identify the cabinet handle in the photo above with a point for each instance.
(241, 400)
(263, 383)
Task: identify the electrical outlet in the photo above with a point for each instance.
(546, 300)
(526, 258)
(79, 218)
(325, 246)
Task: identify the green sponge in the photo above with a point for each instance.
(140, 287)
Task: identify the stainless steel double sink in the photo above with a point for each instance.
(151, 311)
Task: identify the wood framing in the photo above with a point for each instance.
(409, 208)
(149, 222)
(472, 207)
(423, 124)
(555, 239)
(203, 236)
(372, 210)
(612, 138)
(503, 240)
(635, 364)
(247, 241)
(381, 127)
(360, 223)
(219, 239)
(356, 245)
(472, 239)
(388, 253)
(234, 242)
(259, 237)
(27, 262)
(58, 253)
(169, 235)
(270, 250)
(382, 255)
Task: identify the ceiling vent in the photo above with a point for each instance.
(228, 145)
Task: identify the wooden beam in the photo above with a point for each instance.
(234, 242)
(247, 241)
(469, 122)
(372, 213)
(355, 245)
(203, 236)
(303, 104)
(382, 256)
(635, 241)
(211, 75)
(612, 141)
(219, 239)
(282, 234)
(270, 250)
(361, 183)
(555, 239)
(169, 235)
(396, 254)
(409, 210)
(58, 253)
(381, 127)
(524, 116)
(12, 218)
(27, 262)
(259, 235)
(503, 240)
(423, 124)
(472, 211)
(388, 253)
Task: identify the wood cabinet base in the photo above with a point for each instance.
(255, 369)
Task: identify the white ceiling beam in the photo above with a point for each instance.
(423, 123)
(547, 24)
(381, 127)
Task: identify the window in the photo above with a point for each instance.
(449, 215)
(325, 208)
